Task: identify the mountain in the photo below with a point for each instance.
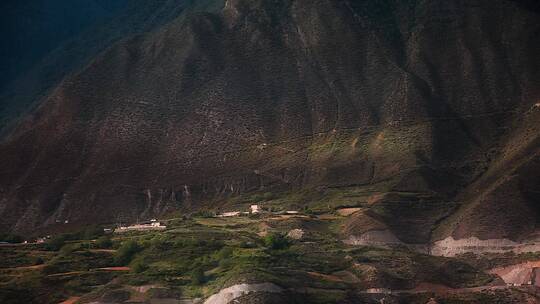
(46, 41)
(424, 111)
(34, 28)
(270, 151)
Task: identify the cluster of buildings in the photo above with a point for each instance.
(254, 209)
(152, 225)
(155, 225)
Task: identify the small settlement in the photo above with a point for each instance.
(254, 209)
(152, 225)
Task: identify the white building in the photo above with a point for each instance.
(141, 227)
(255, 209)
(378, 291)
(230, 214)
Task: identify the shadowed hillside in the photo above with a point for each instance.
(421, 98)
(47, 40)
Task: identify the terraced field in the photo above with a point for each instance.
(249, 258)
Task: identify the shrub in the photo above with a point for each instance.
(126, 252)
(204, 213)
(138, 266)
(160, 243)
(92, 232)
(68, 249)
(276, 241)
(56, 242)
(224, 253)
(260, 197)
(223, 257)
(197, 276)
(226, 263)
(104, 242)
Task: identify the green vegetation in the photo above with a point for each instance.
(56, 242)
(104, 242)
(196, 257)
(138, 266)
(276, 241)
(204, 214)
(197, 276)
(125, 253)
(89, 233)
(262, 197)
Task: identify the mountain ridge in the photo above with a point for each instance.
(288, 96)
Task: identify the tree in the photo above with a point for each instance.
(125, 253)
(138, 266)
(68, 249)
(39, 261)
(92, 232)
(224, 253)
(276, 241)
(56, 242)
(104, 242)
(197, 276)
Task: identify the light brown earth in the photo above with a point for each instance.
(347, 211)
(71, 300)
(520, 274)
(331, 278)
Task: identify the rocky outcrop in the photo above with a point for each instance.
(295, 234)
(374, 238)
(228, 295)
(450, 247)
(520, 274)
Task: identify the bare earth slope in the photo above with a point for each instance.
(423, 96)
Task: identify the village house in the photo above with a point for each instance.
(153, 225)
(378, 291)
(254, 209)
(41, 240)
(229, 214)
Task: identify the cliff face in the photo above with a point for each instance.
(410, 96)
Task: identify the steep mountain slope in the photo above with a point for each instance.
(402, 96)
(46, 41)
(32, 29)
